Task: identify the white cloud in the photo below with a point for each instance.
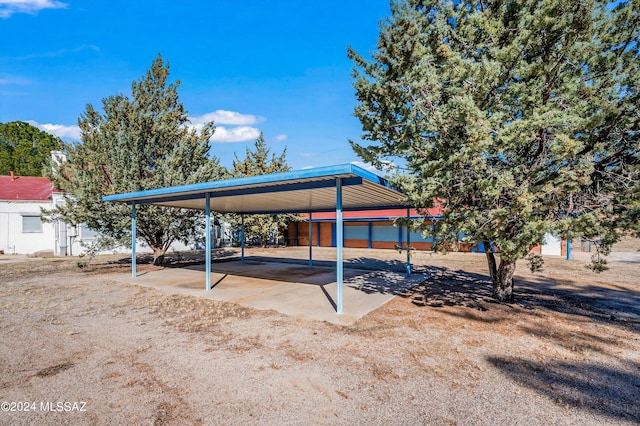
(307, 155)
(281, 137)
(226, 117)
(9, 7)
(235, 134)
(59, 130)
(239, 127)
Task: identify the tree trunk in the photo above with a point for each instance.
(503, 281)
(501, 277)
(158, 256)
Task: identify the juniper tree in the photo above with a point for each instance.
(520, 117)
(260, 161)
(138, 143)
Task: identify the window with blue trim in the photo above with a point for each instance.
(356, 232)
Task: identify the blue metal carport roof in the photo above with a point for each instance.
(342, 187)
(287, 192)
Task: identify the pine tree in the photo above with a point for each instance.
(260, 161)
(520, 117)
(25, 149)
(137, 143)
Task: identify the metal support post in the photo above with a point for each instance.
(339, 244)
(310, 238)
(133, 239)
(242, 238)
(408, 242)
(207, 221)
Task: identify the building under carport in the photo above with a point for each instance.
(334, 188)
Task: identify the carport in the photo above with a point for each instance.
(338, 188)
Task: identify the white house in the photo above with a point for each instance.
(21, 227)
(22, 230)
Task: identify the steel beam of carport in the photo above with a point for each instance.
(339, 244)
(298, 191)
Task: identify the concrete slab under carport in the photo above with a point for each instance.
(287, 288)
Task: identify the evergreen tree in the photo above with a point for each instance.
(137, 143)
(260, 161)
(25, 149)
(520, 117)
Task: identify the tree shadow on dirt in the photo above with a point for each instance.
(608, 305)
(445, 287)
(182, 259)
(619, 307)
(607, 391)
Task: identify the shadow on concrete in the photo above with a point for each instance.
(334, 305)
(378, 264)
(364, 274)
(607, 391)
(254, 267)
(213, 285)
(387, 281)
(364, 263)
(377, 280)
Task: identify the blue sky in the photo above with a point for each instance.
(274, 66)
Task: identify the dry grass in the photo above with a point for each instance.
(565, 352)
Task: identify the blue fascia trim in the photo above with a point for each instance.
(327, 172)
(357, 170)
(298, 186)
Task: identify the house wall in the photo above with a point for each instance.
(378, 234)
(12, 237)
(76, 240)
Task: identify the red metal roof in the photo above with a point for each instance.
(25, 188)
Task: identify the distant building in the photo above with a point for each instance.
(376, 229)
(362, 229)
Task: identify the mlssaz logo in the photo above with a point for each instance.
(62, 406)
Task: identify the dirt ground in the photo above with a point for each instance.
(79, 348)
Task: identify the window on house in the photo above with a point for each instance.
(87, 233)
(31, 224)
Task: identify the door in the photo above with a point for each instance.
(551, 246)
